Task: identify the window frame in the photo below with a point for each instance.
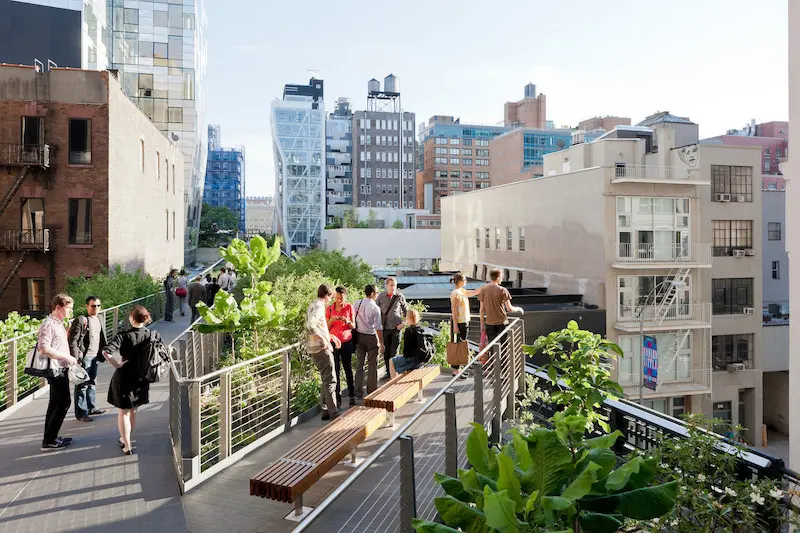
(73, 211)
(731, 235)
(73, 158)
(774, 231)
(731, 296)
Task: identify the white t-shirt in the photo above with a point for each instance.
(224, 282)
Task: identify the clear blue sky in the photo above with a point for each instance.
(720, 62)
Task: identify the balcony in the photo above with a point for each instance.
(694, 378)
(655, 174)
(337, 171)
(692, 255)
(37, 240)
(24, 155)
(657, 318)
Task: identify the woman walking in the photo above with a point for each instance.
(169, 295)
(127, 391)
(459, 306)
(341, 323)
(182, 291)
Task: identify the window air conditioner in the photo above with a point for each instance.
(741, 198)
(726, 197)
(749, 251)
(736, 367)
(749, 310)
(738, 253)
(718, 197)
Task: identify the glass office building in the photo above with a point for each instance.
(298, 136)
(224, 184)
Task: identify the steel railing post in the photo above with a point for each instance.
(285, 394)
(11, 374)
(190, 429)
(478, 417)
(408, 489)
(512, 356)
(225, 415)
(497, 395)
(115, 326)
(450, 434)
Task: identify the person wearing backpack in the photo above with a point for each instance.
(128, 389)
(416, 349)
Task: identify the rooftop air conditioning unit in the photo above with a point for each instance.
(749, 251)
(749, 310)
(736, 367)
(738, 253)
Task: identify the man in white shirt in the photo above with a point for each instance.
(320, 349)
(87, 337)
(224, 280)
(370, 340)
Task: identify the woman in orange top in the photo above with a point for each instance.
(340, 324)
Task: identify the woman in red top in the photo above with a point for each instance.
(340, 324)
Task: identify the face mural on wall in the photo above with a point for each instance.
(688, 154)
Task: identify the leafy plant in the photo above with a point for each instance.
(548, 481)
(113, 286)
(398, 224)
(24, 327)
(533, 396)
(583, 362)
(350, 271)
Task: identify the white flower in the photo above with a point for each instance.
(701, 478)
(755, 497)
(754, 487)
(674, 522)
(655, 520)
(665, 466)
(730, 492)
(776, 493)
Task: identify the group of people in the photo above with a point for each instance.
(85, 343)
(336, 329)
(201, 289)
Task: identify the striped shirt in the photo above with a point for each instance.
(53, 335)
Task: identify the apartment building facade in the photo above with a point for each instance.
(225, 177)
(662, 235)
(453, 158)
(771, 137)
(519, 154)
(86, 182)
(339, 160)
(260, 215)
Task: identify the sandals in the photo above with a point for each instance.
(122, 447)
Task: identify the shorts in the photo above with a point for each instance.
(404, 364)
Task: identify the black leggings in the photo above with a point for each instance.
(460, 335)
(57, 408)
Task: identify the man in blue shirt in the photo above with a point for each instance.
(370, 340)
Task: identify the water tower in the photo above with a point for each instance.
(386, 100)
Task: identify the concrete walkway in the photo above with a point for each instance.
(92, 486)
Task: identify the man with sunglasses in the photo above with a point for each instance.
(87, 337)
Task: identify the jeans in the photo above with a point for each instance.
(366, 352)
(391, 341)
(342, 358)
(169, 306)
(493, 331)
(460, 335)
(57, 408)
(85, 393)
(324, 362)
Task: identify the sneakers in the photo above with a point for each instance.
(85, 418)
(96, 412)
(57, 445)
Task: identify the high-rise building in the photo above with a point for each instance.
(384, 150)
(666, 237)
(452, 158)
(339, 160)
(525, 146)
(530, 112)
(85, 183)
(225, 176)
(298, 137)
(159, 49)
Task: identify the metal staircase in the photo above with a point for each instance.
(13, 190)
(11, 275)
(669, 292)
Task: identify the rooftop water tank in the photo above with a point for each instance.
(373, 86)
(391, 84)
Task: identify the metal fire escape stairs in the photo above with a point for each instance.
(42, 83)
(668, 294)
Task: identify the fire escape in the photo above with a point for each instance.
(29, 156)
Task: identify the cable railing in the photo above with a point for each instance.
(15, 385)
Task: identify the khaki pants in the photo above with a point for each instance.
(366, 352)
(324, 362)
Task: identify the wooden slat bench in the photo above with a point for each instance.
(396, 392)
(290, 476)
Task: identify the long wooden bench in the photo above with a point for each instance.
(290, 476)
(398, 391)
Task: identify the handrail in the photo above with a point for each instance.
(396, 435)
(218, 372)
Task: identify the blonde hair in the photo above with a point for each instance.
(412, 317)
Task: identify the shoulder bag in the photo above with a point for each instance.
(355, 322)
(391, 308)
(457, 352)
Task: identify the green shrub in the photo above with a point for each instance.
(16, 325)
(350, 271)
(113, 287)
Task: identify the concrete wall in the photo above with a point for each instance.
(776, 401)
(146, 211)
(377, 246)
(774, 210)
(775, 348)
(792, 168)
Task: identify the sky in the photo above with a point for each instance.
(719, 62)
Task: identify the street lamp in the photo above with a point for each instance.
(639, 312)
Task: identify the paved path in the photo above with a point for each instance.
(92, 486)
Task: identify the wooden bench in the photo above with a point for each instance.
(290, 476)
(398, 391)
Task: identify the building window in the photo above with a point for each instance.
(80, 141)
(454, 141)
(466, 151)
(774, 231)
(173, 225)
(440, 140)
(675, 365)
(166, 213)
(175, 114)
(496, 238)
(158, 165)
(33, 291)
(440, 151)
(731, 235)
(141, 154)
(776, 270)
(477, 238)
(482, 162)
(482, 153)
(731, 349)
(732, 296)
(80, 221)
(455, 161)
(509, 239)
(440, 161)
(173, 180)
(31, 131)
(653, 228)
(731, 184)
(455, 151)
(467, 162)
(521, 239)
(486, 231)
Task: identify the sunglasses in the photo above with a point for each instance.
(95, 306)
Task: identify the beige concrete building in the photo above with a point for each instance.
(259, 215)
(530, 112)
(606, 123)
(663, 236)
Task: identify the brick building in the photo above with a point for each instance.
(86, 181)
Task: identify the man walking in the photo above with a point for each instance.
(393, 312)
(169, 295)
(320, 349)
(87, 336)
(495, 300)
(224, 280)
(369, 340)
(197, 294)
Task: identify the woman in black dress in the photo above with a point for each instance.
(127, 390)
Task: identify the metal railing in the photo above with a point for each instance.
(25, 239)
(674, 253)
(673, 377)
(675, 315)
(649, 173)
(15, 385)
(25, 155)
(395, 483)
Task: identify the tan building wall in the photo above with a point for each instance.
(259, 216)
(607, 123)
(507, 159)
(527, 113)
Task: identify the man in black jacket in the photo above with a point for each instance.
(87, 337)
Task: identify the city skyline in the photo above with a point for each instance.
(589, 60)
